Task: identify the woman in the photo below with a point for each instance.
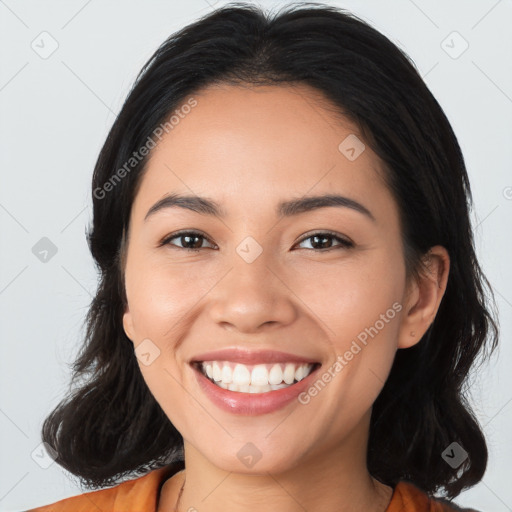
(290, 301)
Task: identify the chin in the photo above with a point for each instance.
(255, 458)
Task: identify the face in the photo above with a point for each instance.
(307, 297)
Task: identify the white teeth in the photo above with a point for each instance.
(276, 375)
(217, 372)
(289, 373)
(259, 375)
(241, 375)
(226, 374)
(260, 378)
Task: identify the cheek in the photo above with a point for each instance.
(163, 378)
(351, 298)
(159, 297)
(359, 308)
(360, 314)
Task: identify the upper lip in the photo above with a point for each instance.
(238, 355)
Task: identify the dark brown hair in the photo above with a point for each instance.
(110, 426)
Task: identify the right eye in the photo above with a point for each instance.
(189, 239)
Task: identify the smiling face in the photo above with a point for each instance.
(323, 283)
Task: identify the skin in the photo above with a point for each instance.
(249, 148)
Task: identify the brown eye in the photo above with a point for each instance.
(320, 242)
(323, 241)
(189, 240)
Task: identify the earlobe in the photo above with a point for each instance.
(424, 297)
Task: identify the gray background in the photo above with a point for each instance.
(56, 111)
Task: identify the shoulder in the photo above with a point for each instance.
(137, 495)
(409, 498)
(103, 499)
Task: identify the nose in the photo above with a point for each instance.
(251, 297)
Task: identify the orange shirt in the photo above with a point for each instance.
(141, 495)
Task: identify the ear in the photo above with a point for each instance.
(128, 324)
(424, 297)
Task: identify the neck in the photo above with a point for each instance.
(335, 479)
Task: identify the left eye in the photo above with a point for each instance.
(192, 241)
(318, 238)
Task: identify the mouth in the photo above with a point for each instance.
(254, 378)
(253, 382)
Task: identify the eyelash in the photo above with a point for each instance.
(343, 243)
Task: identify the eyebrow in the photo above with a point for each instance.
(289, 208)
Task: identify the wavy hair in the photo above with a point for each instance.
(110, 427)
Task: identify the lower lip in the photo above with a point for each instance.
(252, 404)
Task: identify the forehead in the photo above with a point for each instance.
(249, 145)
